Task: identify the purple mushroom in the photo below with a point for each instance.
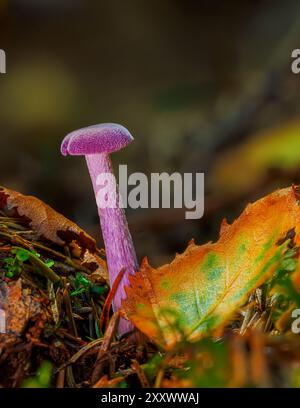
(96, 143)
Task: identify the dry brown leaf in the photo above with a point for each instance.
(53, 226)
(48, 223)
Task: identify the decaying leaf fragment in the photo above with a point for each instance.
(202, 288)
(52, 226)
(43, 219)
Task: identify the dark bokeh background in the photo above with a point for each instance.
(204, 86)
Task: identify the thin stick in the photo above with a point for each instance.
(109, 299)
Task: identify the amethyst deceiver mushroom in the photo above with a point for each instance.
(96, 143)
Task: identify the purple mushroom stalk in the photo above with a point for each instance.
(96, 143)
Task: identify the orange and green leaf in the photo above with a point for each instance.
(202, 288)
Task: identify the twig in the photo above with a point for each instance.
(60, 383)
(69, 310)
(109, 299)
(140, 373)
(107, 339)
(81, 352)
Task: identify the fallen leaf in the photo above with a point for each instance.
(201, 289)
(53, 227)
(48, 223)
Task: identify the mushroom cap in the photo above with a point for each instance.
(103, 138)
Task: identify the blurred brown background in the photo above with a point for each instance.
(204, 86)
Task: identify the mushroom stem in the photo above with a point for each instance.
(120, 252)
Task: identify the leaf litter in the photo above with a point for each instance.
(61, 333)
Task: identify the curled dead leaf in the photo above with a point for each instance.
(48, 223)
(53, 227)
